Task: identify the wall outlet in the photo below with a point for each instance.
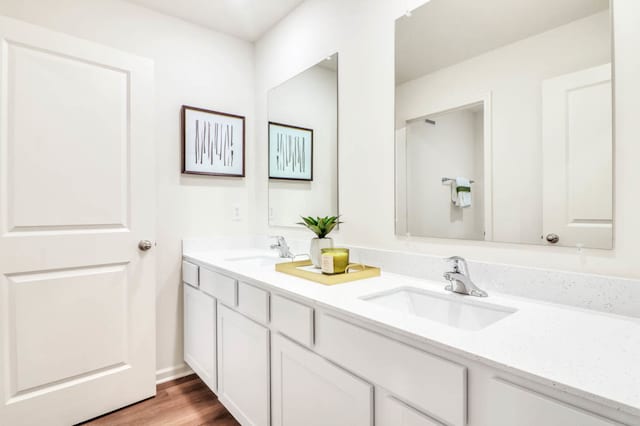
(236, 213)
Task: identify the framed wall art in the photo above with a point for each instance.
(290, 152)
(212, 142)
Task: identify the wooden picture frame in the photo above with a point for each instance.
(290, 152)
(210, 142)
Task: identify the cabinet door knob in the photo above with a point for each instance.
(145, 245)
(552, 238)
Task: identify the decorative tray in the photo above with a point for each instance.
(304, 269)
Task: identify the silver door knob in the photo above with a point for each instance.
(145, 245)
(552, 238)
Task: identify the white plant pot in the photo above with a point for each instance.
(315, 251)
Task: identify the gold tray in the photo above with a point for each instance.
(293, 268)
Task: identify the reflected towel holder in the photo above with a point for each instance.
(447, 180)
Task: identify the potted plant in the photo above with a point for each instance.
(321, 226)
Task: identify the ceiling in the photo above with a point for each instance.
(444, 32)
(246, 19)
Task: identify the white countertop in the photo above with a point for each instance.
(592, 355)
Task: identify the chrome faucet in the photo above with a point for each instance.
(460, 279)
(282, 247)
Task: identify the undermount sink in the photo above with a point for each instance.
(446, 309)
(258, 260)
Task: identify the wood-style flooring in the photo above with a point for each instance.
(185, 401)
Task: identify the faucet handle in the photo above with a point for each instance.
(456, 262)
(279, 238)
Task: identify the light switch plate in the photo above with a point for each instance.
(236, 213)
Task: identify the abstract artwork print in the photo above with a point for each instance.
(290, 152)
(212, 142)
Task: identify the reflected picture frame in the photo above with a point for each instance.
(290, 152)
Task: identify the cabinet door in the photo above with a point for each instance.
(512, 405)
(200, 334)
(393, 412)
(243, 367)
(308, 390)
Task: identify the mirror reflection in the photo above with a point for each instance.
(504, 130)
(303, 145)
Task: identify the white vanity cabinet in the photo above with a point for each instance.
(243, 367)
(308, 390)
(274, 358)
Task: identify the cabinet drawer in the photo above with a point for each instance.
(292, 319)
(253, 302)
(219, 286)
(190, 273)
(513, 405)
(434, 385)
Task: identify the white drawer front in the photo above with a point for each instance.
(292, 319)
(190, 273)
(253, 302)
(512, 405)
(432, 384)
(219, 286)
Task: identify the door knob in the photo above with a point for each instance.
(552, 238)
(145, 245)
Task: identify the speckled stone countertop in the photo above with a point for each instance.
(589, 354)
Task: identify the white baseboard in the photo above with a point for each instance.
(172, 373)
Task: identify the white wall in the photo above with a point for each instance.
(513, 75)
(363, 33)
(308, 100)
(446, 149)
(193, 66)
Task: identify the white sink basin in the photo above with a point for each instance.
(451, 310)
(258, 260)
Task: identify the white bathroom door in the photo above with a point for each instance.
(77, 298)
(578, 158)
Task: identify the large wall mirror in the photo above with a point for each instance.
(303, 145)
(504, 122)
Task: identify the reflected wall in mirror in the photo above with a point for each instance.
(303, 145)
(504, 122)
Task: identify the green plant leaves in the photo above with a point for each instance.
(308, 221)
(317, 230)
(330, 227)
(321, 226)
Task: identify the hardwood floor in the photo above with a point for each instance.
(185, 401)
